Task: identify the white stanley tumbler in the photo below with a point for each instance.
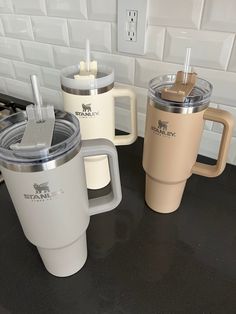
(89, 93)
(48, 187)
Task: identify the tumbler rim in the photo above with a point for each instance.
(12, 130)
(198, 99)
(103, 82)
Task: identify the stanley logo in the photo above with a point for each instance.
(87, 112)
(86, 108)
(162, 129)
(42, 193)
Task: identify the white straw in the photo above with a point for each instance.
(37, 97)
(88, 55)
(187, 64)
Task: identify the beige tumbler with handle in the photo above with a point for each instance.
(176, 113)
(91, 97)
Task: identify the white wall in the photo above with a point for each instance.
(44, 36)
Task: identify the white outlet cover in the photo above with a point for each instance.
(125, 45)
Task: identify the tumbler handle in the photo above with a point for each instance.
(224, 117)
(129, 138)
(111, 200)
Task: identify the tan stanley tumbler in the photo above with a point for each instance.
(176, 113)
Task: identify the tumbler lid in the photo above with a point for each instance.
(87, 77)
(102, 82)
(183, 92)
(39, 128)
(66, 141)
(197, 100)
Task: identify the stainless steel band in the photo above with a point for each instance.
(48, 165)
(95, 91)
(175, 109)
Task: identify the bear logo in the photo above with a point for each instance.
(86, 108)
(41, 188)
(162, 125)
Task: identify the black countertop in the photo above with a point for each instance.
(139, 261)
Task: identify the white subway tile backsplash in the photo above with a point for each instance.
(180, 13)
(218, 127)
(38, 53)
(67, 8)
(219, 15)
(209, 49)
(67, 56)
(19, 89)
(99, 34)
(145, 70)
(29, 7)
(53, 34)
(1, 29)
(141, 121)
(209, 124)
(50, 30)
(232, 62)
(155, 42)
(24, 70)
(223, 85)
(233, 150)
(210, 143)
(10, 48)
(114, 37)
(122, 102)
(123, 121)
(123, 66)
(6, 6)
(17, 26)
(52, 97)
(103, 10)
(3, 87)
(51, 78)
(6, 68)
(141, 96)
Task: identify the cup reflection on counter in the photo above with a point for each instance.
(109, 229)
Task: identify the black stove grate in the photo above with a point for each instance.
(10, 105)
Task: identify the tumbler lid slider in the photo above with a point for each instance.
(87, 69)
(184, 83)
(40, 125)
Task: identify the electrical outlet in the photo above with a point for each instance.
(131, 35)
(132, 25)
(132, 16)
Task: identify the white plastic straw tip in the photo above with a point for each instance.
(87, 55)
(187, 64)
(187, 59)
(87, 43)
(188, 50)
(34, 79)
(37, 96)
